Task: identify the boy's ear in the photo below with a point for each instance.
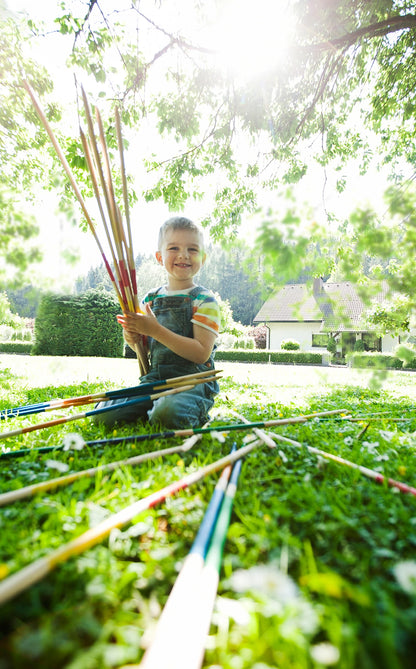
(159, 257)
(204, 257)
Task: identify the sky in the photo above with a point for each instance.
(58, 235)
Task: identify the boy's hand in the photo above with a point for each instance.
(134, 340)
(138, 324)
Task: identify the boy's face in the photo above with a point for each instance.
(182, 255)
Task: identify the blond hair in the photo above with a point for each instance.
(179, 223)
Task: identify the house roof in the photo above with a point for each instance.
(334, 305)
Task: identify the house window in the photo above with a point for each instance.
(320, 340)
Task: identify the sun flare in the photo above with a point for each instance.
(251, 39)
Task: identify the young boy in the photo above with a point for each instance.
(181, 323)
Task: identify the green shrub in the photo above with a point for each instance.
(378, 360)
(359, 346)
(288, 357)
(242, 355)
(82, 325)
(244, 342)
(290, 345)
(406, 353)
(410, 364)
(331, 345)
(15, 347)
(259, 334)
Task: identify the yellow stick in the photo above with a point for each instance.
(34, 572)
(52, 484)
(87, 414)
(130, 256)
(99, 168)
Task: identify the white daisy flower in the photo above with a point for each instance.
(325, 653)
(405, 573)
(59, 466)
(266, 580)
(219, 436)
(73, 442)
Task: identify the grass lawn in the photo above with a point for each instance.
(318, 567)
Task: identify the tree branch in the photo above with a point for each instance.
(390, 25)
(91, 5)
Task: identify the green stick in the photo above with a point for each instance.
(34, 572)
(93, 412)
(52, 484)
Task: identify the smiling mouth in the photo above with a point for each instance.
(182, 265)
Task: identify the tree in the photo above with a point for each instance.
(342, 90)
(236, 273)
(22, 149)
(25, 301)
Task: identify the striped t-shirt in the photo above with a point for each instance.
(205, 308)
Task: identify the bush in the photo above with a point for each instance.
(379, 360)
(226, 341)
(15, 347)
(6, 332)
(405, 352)
(239, 355)
(290, 345)
(83, 325)
(259, 334)
(244, 342)
(283, 357)
(359, 346)
(331, 345)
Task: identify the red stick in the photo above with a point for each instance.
(34, 572)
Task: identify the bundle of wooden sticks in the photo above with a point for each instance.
(118, 233)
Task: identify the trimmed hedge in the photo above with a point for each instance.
(378, 360)
(81, 325)
(16, 347)
(288, 357)
(410, 364)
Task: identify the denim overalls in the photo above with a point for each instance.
(189, 408)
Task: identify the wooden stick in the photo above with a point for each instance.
(107, 197)
(219, 428)
(69, 173)
(115, 216)
(142, 389)
(259, 433)
(94, 180)
(127, 280)
(132, 268)
(211, 573)
(47, 486)
(370, 473)
(171, 636)
(13, 585)
(94, 412)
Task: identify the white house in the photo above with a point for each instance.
(311, 316)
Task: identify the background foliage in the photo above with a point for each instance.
(338, 100)
(83, 325)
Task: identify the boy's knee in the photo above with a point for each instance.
(165, 413)
(177, 412)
